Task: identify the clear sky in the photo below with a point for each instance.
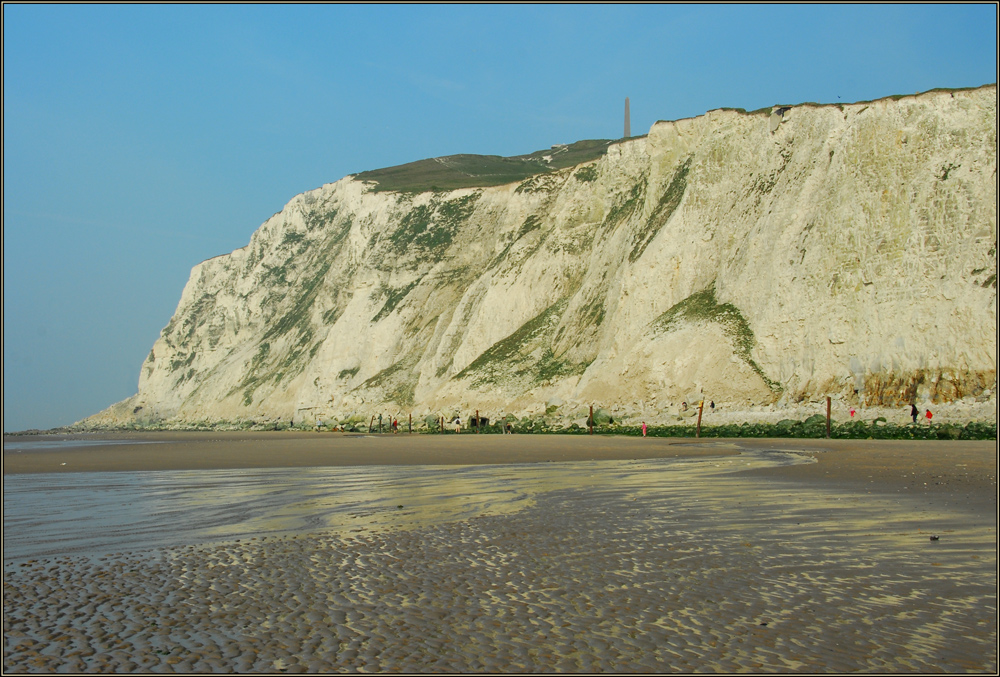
(140, 140)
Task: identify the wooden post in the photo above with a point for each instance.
(590, 421)
(442, 425)
(411, 424)
(827, 417)
(477, 421)
(701, 407)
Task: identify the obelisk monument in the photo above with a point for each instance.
(628, 131)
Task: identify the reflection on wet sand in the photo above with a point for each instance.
(47, 514)
(653, 565)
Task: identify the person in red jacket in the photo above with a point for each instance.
(929, 415)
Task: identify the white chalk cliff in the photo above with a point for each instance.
(845, 250)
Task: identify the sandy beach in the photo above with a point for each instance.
(599, 554)
(218, 450)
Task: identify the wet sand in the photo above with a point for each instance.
(196, 450)
(953, 470)
(824, 566)
(885, 460)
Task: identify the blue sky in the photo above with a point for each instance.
(140, 140)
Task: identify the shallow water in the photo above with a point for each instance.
(92, 513)
(98, 513)
(89, 513)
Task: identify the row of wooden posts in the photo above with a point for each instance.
(590, 420)
(371, 424)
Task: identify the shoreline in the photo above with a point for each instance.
(945, 466)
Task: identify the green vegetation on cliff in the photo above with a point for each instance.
(397, 382)
(665, 208)
(480, 171)
(525, 355)
(702, 306)
(431, 227)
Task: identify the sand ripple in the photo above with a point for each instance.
(624, 575)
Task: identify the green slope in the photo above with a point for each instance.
(479, 171)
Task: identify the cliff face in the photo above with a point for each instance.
(852, 248)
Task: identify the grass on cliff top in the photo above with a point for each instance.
(479, 171)
(766, 110)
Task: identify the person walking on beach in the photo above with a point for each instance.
(509, 429)
(395, 426)
(643, 428)
(711, 406)
(929, 415)
(458, 424)
(914, 412)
